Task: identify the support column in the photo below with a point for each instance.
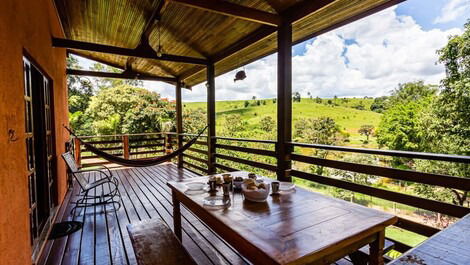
(284, 101)
(211, 118)
(179, 121)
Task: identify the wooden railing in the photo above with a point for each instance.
(234, 154)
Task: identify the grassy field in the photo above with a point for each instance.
(348, 118)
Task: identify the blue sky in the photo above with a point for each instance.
(369, 57)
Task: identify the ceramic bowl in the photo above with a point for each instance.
(259, 195)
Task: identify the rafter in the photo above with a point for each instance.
(275, 4)
(142, 52)
(127, 74)
(233, 10)
(303, 9)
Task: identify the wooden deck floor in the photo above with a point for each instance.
(104, 238)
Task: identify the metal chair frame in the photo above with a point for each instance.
(86, 199)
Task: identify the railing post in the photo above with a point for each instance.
(284, 101)
(168, 146)
(77, 151)
(179, 121)
(125, 146)
(211, 118)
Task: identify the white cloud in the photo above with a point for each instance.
(453, 10)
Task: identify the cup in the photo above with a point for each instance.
(226, 188)
(275, 187)
(212, 185)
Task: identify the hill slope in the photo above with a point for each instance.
(349, 119)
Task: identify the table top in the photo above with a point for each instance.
(291, 228)
(450, 246)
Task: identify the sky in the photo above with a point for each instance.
(368, 57)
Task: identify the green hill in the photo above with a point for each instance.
(344, 112)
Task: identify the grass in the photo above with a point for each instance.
(348, 118)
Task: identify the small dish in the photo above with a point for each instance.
(216, 202)
(286, 186)
(195, 186)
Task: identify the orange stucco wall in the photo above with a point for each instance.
(25, 25)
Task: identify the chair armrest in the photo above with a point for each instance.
(108, 176)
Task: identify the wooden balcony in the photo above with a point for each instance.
(104, 238)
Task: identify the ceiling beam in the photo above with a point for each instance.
(275, 4)
(124, 75)
(137, 52)
(257, 35)
(233, 10)
(303, 9)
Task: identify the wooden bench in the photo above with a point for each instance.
(450, 246)
(154, 243)
(361, 257)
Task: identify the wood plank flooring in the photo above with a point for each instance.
(144, 195)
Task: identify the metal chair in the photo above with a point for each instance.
(86, 186)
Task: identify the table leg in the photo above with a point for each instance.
(177, 217)
(377, 249)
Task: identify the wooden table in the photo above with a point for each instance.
(296, 228)
(450, 246)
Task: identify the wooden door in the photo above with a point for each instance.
(39, 149)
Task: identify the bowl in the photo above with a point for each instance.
(238, 184)
(259, 195)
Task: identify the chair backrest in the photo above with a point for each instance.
(72, 165)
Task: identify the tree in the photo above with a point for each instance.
(80, 89)
(366, 130)
(267, 124)
(447, 121)
(253, 98)
(246, 104)
(323, 130)
(379, 104)
(104, 83)
(128, 109)
(194, 120)
(296, 97)
(400, 127)
(309, 95)
(318, 100)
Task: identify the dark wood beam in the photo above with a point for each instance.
(86, 56)
(275, 4)
(350, 20)
(179, 121)
(264, 31)
(303, 9)
(137, 52)
(124, 75)
(257, 35)
(233, 10)
(284, 101)
(211, 118)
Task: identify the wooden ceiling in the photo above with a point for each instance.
(228, 33)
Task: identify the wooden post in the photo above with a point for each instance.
(284, 101)
(211, 118)
(168, 146)
(125, 146)
(179, 121)
(176, 216)
(77, 151)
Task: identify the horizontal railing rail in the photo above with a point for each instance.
(234, 153)
(407, 154)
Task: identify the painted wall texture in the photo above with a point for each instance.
(25, 25)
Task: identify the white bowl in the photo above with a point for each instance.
(194, 186)
(259, 195)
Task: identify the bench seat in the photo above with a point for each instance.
(155, 243)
